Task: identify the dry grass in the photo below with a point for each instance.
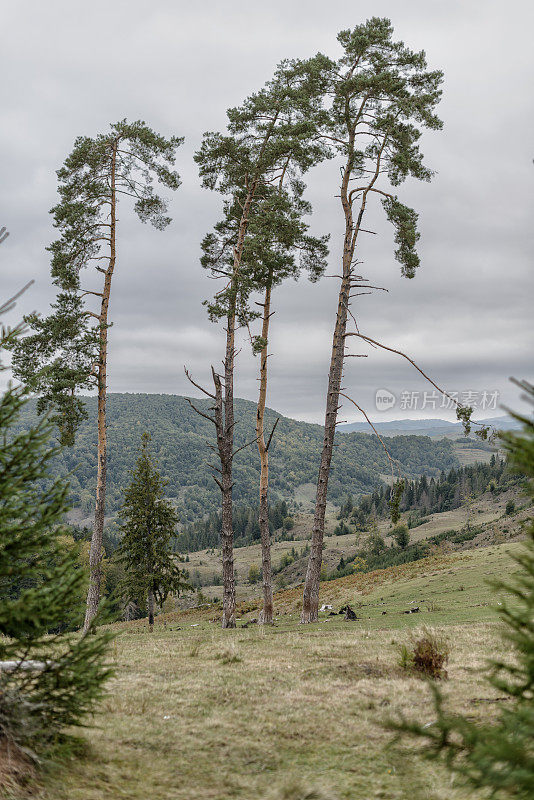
(17, 771)
(284, 713)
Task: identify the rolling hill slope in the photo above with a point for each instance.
(179, 441)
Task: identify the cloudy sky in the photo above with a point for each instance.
(71, 68)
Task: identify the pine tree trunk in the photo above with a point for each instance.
(266, 616)
(225, 429)
(227, 533)
(151, 606)
(310, 600)
(95, 553)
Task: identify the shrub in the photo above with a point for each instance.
(430, 655)
(510, 507)
(427, 654)
(253, 573)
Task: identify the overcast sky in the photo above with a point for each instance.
(71, 68)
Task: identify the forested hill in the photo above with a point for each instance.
(180, 439)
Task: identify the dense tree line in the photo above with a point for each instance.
(179, 443)
(430, 495)
(206, 533)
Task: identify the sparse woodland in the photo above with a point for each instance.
(165, 477)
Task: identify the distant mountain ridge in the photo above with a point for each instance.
(426, 427)
(179, 439)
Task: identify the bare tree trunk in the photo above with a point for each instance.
(266, 616)
(95, 553)
(151, 606)
(310, 600)
(227, 533)
(225, 428)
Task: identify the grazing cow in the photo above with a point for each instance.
(350, 615)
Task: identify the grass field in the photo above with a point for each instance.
(198, 712)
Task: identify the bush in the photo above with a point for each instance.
(253, 574)
(430, 655)
(427, 654)
(375, 544)
(510, 507)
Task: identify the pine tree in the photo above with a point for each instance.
(67, 351)
(48, 680)
(151, 571)
(281, 234)
(499, 755)
(381, 97)
(270, 141)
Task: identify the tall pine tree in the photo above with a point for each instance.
(68, 350)
(151, 571)
(381, 97)
(271, 137)
(271, 255)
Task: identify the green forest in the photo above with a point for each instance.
(180, 437)
(424, 495)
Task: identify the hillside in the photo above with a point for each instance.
(480, 523)
(291, 711)
(180, 439)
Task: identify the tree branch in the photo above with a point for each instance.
(198, 386)
(391, 460)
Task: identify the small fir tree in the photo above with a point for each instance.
(401, 535)
(151, 571)
(498, 755)
(48, 680)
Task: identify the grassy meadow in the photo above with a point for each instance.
(289, 712)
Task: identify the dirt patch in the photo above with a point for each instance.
(356, 671)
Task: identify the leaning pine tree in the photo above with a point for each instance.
(48, 680)
(151, 571)
(273, 134)
(498, 755)
(381, 97)
(68, 350)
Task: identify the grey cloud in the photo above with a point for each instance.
(466, 317)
